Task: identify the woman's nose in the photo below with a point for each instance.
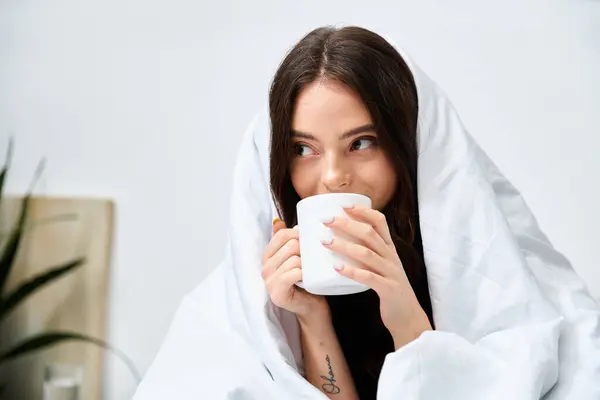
(336, 176)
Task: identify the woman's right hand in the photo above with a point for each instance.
(282, 269)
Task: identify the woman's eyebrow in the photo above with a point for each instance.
(357, 131)
(343, 136)
(303, 135)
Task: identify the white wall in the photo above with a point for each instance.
(146, 101)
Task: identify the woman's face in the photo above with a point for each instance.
(336, 147)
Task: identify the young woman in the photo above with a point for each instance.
(344, 111)
(468, 299)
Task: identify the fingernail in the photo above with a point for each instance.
(276, 220)
(326, 242)
(338, 267)
(348, 207)
(327, 220)
(295, 228)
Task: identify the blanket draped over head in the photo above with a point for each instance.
(513, 320)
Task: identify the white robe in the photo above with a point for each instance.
(513, 320)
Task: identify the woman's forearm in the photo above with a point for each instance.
(324, 362)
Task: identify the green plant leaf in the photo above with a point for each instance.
(5, 167)
(49, 339)
(2, 179)
(9, 254)
(37, 282)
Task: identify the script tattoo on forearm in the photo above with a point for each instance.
(330, 386)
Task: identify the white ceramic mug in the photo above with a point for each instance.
(318, 273)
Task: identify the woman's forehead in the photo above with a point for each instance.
(328, 109)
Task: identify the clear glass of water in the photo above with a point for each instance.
(62, 381)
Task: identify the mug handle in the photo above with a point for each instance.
(300, 284)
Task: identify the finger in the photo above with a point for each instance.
(291, 278)
(281, 237)
(289, 249)
(357, 252)
(361, 231)
(368, 278)
(278, 225)
(374, 218)
(290, 264)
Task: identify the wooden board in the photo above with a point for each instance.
(76, 302)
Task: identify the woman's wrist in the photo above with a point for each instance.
(412, 329)
(316, 313)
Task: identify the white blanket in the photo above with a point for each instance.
(513, 320)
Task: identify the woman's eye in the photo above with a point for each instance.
(362, 144)
(302, 150)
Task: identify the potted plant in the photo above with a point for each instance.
(10, 299)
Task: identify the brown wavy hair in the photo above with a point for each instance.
(372, 68)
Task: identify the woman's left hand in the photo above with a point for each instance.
(380, 268)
